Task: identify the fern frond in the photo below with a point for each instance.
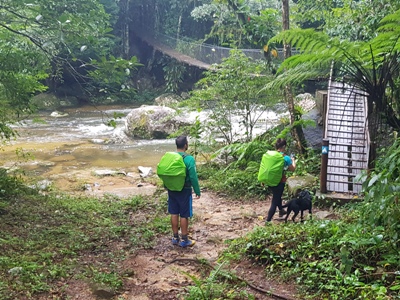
(372, 65)
(390, 22)
(297, 76)
(307, 40)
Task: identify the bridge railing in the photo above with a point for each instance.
(207, 53)
(210, 54)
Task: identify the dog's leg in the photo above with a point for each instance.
(296, 212)
(287, 214)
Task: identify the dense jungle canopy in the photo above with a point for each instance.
(88, 49)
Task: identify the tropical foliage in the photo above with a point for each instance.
(240, 23)
(48, 43)
(171, 17)
(232, 90)
(345, 19)
(353, 257)
(382, 191)
(372, 66)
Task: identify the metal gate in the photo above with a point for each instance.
(347, 131)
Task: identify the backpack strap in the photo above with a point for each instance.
(183, 157)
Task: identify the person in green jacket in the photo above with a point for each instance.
(180, 202)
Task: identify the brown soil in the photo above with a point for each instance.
(159, 273)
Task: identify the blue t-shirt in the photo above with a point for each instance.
(288, 162)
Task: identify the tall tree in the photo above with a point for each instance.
(170, 17)
(346, 19)
(240, 23)
(124, 25)
(297, 130)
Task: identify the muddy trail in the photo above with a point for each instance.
(162, 272)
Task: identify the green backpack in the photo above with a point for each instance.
(172, 171)
(271, 168)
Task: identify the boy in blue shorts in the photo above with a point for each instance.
(180, 202)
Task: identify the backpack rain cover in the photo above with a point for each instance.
(271, 168)
(172, 171)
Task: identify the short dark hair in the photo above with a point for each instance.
(280, 143)
(181, 141)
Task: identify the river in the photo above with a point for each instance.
(64, 144)
(50, 146)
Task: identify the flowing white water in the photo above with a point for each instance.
(77, 142)
(74, 142)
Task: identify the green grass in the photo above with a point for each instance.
(328, 259)
(46, 239)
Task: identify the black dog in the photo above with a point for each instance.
(302, 202)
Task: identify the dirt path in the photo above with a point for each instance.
(215, 221)
(159, 273)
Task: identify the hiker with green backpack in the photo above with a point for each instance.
(178, 172)
(273, 167)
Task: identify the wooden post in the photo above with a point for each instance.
(324, 111)
(324, 166)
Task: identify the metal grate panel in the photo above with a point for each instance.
(346, 129)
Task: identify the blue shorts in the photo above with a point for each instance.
(180, 203)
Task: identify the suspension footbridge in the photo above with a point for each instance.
(192, 52)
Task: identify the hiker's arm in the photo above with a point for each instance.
(193, 177)
(292, 167)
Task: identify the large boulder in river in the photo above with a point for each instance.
(313, 134)
(153, 122)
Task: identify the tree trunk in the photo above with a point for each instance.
(297, 131)
(178, 31)
(124, 28)
(374, 124)
(126, 41)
